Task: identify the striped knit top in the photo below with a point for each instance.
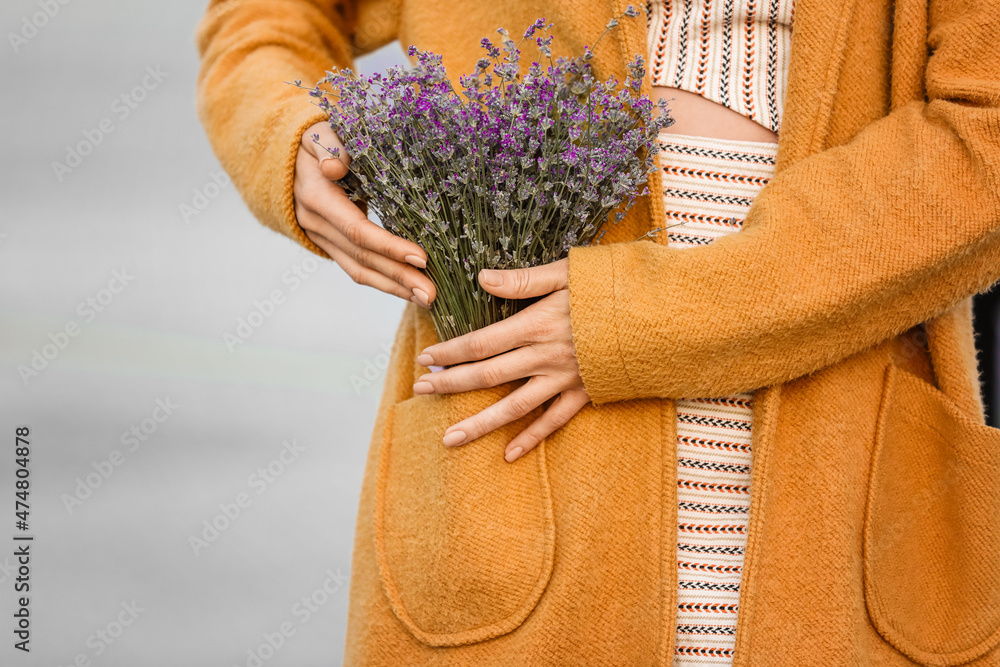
(733, 52)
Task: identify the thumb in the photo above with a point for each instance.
(317, 139)
(526, 283)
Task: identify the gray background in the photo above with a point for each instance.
(161, 338)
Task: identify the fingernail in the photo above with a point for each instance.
(416, 261)
(422, 296)
(425, 360)
(423, 388)
(454, 438)
(491, 278)
(513, 454)
(415, 300)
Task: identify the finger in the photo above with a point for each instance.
(526, 283)
(564, 408)
(317, 139)
(399, 272)
(525, 327)
(514, 365)
(358, 273)
(515, 405)
(362, 232)
(329, 200)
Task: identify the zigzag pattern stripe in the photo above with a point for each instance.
(709, 607)
(727, 53)
(713, 444)
(702, 420)
(729, 222)
(709, 586)
(706, 629)
(709, 486)
(771, 78)
(703, 46)
(660, 11)
(705, 567)
(722, 155)
(714, 508)
(704, 651)
(721, 177)
(702, 549)
(711, 529)
(750, 56)
(688, 239)
(730, 401)
(713, 466)
(707, 196)
(682, 56)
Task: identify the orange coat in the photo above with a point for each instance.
(843, 304)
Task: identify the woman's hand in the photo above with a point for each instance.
(369, 254)
(536, 343)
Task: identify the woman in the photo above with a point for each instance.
(576, 523)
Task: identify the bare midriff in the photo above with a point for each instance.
(700, 117)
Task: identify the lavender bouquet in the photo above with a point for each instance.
(510, 172)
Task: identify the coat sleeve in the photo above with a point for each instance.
(254, 120)
(841, 250)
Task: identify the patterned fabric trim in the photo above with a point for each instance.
(733, 52)
(709, 185)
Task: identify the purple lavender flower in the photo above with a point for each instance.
(508, 170)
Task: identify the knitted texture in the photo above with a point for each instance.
(847, 247)
(883, 214)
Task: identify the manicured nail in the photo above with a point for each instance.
(416, 261)
(423, 388)
(425, 360)
(454, 438)
(415, 300)
(491, 278)
(513, 454)
(422, 296)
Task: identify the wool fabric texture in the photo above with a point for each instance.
(843, 306)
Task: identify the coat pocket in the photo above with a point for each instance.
(464, 540)
(932, 526)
